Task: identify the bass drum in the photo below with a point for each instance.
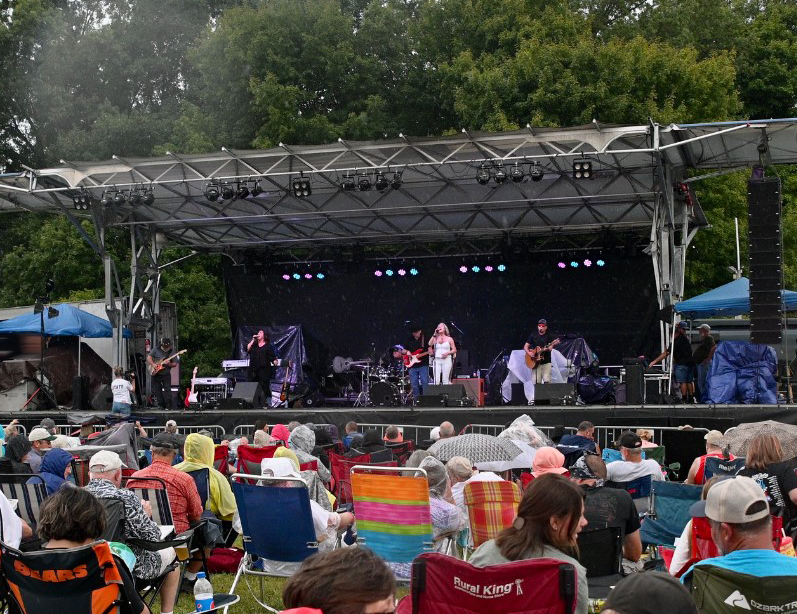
(384, 394)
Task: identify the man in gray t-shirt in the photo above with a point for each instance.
(632, 467)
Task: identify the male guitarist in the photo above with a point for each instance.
(162, 380)
(543, 340)
(419, 371)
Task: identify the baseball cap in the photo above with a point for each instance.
(715, 438)
(706, 326)
(47, 423)
(106, 459)
(40, 434)
(166, 440)
(644, 593)
(543, 321)
(629, 439)
(732, 500)
(683, 325)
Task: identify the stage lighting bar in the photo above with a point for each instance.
(478, 268)
(582, 169)
(82, 201)
(307, 275)
(402, 271)
(301, 187)
(574, 263)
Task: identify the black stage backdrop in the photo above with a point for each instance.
(355, 314)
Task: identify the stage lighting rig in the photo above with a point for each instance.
(135, 197)
(380, 182)
(256, 190)
(500, 176)
(120, 198)
(483, 174)
(582, 169)
(364, 183)
(516, 173)
(397, 180)
(227, 193)
(349, 183)
(301, 187)
(149, 197)
(212, 192)
(242, 191)
(536, 173)
(82, 200)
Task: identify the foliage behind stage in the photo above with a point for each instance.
(351, 312)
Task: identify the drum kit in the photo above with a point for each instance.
(379, 386)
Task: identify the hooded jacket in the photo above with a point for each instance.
(54, 465)
(198, 451)
(302, 441)
(17, 448)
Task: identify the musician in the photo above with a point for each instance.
(419, 373)
(443, 346)
(262, 358)
(162, 380)
(542, 372)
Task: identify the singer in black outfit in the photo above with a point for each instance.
(261, 359)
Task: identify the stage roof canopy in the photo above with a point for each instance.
(438, 198)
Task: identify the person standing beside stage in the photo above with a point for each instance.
(261, 358)
(419, 373)
(121, 389)
(162, 380)
(682, 360)
(444, 347)
(702, 358)
(541, 339)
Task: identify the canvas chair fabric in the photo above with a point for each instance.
(340, 468)
(719, 590)
(670, 503)
(201, 478)
(393, 515)
(249, 458)
(153, 490)
(600, 551)
(714, 465)
(221, 455)
(444, 585)
(492, 506)
(29, 496)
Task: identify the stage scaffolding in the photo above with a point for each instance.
(640, 188)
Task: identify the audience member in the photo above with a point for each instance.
(459, 470)
(447, 518)
(171, 427)
(646, 435)
(315, 487)
(607, 507)
(550, 516)
(260, 425)
(13, 527)
(74, 517)
(343, 581)
(18, 451)
(281, 433)
(121, 387)
(633, 467)
(393, 434)
(349, 430)
(741, 527)
(49, 425)
(715, 448)
(777, 479)
(371, 444)
(434, 434)
(105, 473)
(261, 439)
(446, 430)
(683, 547)
(293, 424)
(584, 438)
(649, 593)
(548, 460)
(198, 455)
(41, 441)
(302, 441)
(56, 468)
(416, 457)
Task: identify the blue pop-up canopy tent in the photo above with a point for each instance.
(732, 299)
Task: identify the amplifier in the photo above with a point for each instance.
(450, 395)
(474, 388)
(228, 365)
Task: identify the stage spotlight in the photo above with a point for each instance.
(257, 189)
(516, 173)
(483, 174)
(242, 191)
(500, 175)
(600, 263)
(488, 268)
(380, 182)
(227, 192)
(536, 173)
(402, 272)
(148, 198)
(119, 198)
(349, 183)
(364, 183)
(501, 268)
(389, 272)
(81, 201)
(212, 192)
(320, 276)
(286, 277)
(582, 169)
(475, 268)
(561, 265)
(308, 276)
(377, 273)
(587, 262)
(413, 271)
(463, 269)
(135, 198)
(301, 187)
(297, 276)
(107, 199)
(574, 264)
(397, 180)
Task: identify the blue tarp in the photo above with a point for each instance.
(742, 373)
(70, 321)
(732, 299)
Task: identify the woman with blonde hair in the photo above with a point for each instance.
(442, 347)
(764, 463)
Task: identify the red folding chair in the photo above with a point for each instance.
(340, 468)
(249, 458)
(442, 584)
(221, 455)
(308, 466)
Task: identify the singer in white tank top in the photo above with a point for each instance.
(444, 349)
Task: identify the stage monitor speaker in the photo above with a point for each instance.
(251, 392)
(103, 399)
(462, 363)
(474, 388)
(232, 403)
(80, 400)
(635, 384)
(442, 395)
(518, 394)
(555, 394)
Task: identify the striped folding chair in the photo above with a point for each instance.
(153, 489)
(492, 506)
(29, 496)
(392, 510)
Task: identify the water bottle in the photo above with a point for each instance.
(203, 593)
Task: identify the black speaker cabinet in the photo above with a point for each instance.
(462, 363)
(80, 393)
(251, 392)
(441, 395)
(555, 394)
(234, 404)
(103, 399)
(635, 384)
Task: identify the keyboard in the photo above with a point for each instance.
(228, 365)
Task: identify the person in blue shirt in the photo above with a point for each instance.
(742, 530)
(584, 438)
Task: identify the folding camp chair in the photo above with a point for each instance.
(719, 466)
(341, 473)
(276, 525)
(153, 489)
(401, 451)
(720, 590)
(492, 506)
(601, 553)
(46, 581)
(308, 466)
(29, 498)
(249, 458)
(669, 512)
(201, 478)
(639, 490)
(392, 510)
(445, 585)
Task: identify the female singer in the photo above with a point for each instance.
(443, 347)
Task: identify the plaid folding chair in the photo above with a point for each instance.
(392, 510)
(492, 506)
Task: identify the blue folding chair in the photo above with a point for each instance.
(669, 513)
(276, 526)
(201, 478)
(721, 467)
(639, 490)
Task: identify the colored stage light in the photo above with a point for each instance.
(588, 262)
(286, 277)
(488, 268)
(378, 273)
(389, 272)
(413, 271)
(600, 263)
(574, 264)
(561, 265)
(501, 268)
(463, 269)
(402, 272)
(308, 276)
(320, 275)
(297, 276)
(475, 268)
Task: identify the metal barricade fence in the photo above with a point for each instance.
(416, 432)
(243, 429)
(605, 436)
(21, 429)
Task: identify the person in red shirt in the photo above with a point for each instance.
(715, 447)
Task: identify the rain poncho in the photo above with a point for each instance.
(436, 476)
(302, 441)
(280, 432)
(198, 451)
(318, 493)
(54, 465)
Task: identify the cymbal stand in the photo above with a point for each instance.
(364, 398)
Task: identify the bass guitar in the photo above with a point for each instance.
(413, 358)
(286, 383)
(536, 354)
(157, 367)
(190, 395)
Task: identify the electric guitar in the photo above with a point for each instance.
(286, 383)
(413, 358)
(190, 395)
(155, 368)
(531, 361)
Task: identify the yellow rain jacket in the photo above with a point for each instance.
(199, 455)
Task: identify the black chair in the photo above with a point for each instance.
(601, 552)
(114, 520)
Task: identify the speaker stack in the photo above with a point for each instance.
(765, 248)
